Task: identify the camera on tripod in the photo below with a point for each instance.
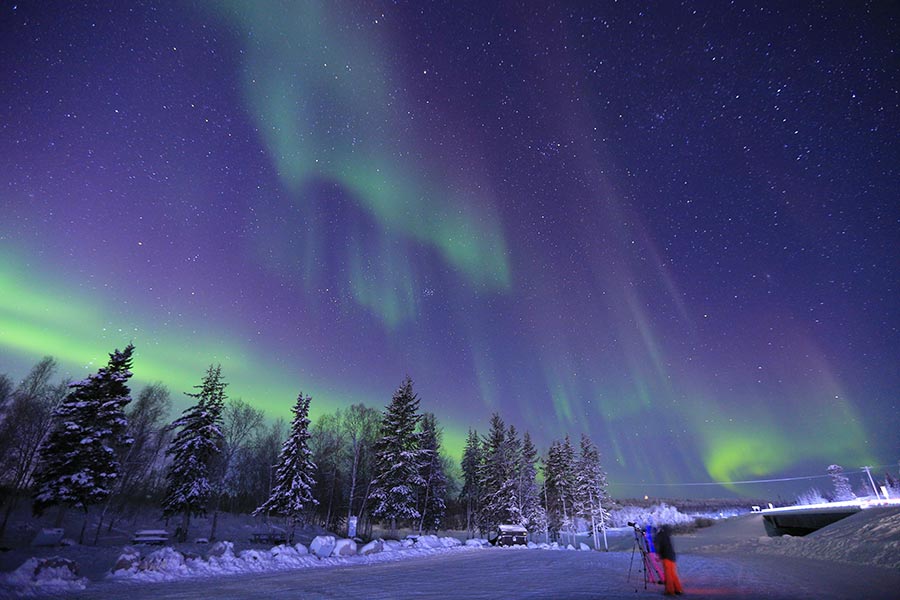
(649, 563)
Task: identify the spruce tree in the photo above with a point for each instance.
(842, 489)
(499, 501)
(471, 465)
(552, 503)
(533, 514)
(491, 476)
(79, 460)
(292, 494)
(511, 491)
(398, 476)
(560, 485)
(591, 498)
(434, 490)
(193, 449)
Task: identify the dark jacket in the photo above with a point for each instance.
(664, 547)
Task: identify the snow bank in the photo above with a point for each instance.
(167, 564)
(43, 575)
(870, 537)
(433, 541)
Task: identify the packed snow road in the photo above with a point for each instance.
(514, 573)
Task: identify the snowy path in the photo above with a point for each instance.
(494, 573)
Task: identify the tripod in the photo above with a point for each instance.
(649, 563)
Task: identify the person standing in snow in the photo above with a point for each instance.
(666, 551)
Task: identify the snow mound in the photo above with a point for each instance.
(284, 550)
(344, 547)
(164, 560)
(43, 575)
(252, 556)
(322, 546)
(220, 549)
(373, 547)
(433, 541)
(128, 560)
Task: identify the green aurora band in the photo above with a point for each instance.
(304, 75)
(39, 317)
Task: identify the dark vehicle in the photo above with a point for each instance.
(511, 535)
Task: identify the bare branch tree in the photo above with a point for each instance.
(240, 422)
(360, 425)
(27, 420)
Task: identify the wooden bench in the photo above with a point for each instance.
(269, 537)
(150, 536)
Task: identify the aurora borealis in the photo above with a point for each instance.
(671, 226)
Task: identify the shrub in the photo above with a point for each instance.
(658, 514)
(811, 496)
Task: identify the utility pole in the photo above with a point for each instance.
(872, 481)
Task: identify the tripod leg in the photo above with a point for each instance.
(631, 564)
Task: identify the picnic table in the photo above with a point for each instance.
(271, 536)
(48, 537)
(150, 536)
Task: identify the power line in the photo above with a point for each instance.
(747, 481)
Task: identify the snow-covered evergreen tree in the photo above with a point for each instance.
(79, 460)
(434, 489)
(471, 465)
(398, 476)
(533, 514)
(499, 479)
(551, 496)
(559, 476)
(842, 489)
(193, 449)
(512, 487)
(591, 498)
(892, 484)
(292, 494)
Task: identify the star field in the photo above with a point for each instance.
(672, 226)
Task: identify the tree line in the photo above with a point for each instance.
(89, 446)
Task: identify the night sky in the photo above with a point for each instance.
(673, 226)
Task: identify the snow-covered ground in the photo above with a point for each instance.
(870, 537)
(858, 557)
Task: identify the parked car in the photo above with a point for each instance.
(511, 535)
